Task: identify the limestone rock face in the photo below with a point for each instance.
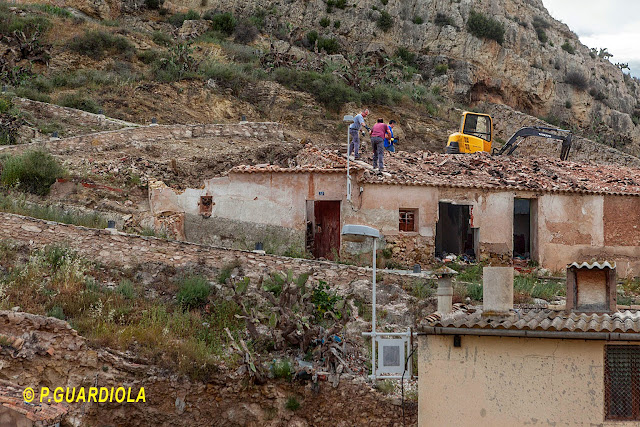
(530, 72)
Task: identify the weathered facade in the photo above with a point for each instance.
(555, 365)
(547, 211)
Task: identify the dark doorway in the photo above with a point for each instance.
(523, 229)
(326, 231)
(454, 234)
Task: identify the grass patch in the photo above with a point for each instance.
(194, 292)
(79, 102)
(529, 285)
(53, 10)
(50, 213)
(27, 24)
(33, 94)
(126, 289)
(222, 22)
(57, 281)
(34, 171)
(282, 369)
(96, 44)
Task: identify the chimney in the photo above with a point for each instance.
(591, 287)
(445, 289)
(497, 284)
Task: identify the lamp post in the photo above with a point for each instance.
(358, 233)
(347, 119)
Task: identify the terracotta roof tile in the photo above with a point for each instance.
(539, 319)
(40, 413)
(477, 171)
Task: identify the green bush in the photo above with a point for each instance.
(292, 404)
(442, 20)
(33, 171)
(53, 10)
(325, 22)
(567, 47)
(149, 56)
(194, 292)
(223, 22)
(329, 45)
(441, 69)
(126, 289)
(95, 43)
(418, 20)
(29, 24)
(540, 25)
(282, 369)
(79, 102)
(482, 26)
(326, 88)
(30, 93)
(5, 104)
(245, 33)
(576, 79)
(324, 300)
(336, 24)
(178, 19)
(408, 57)
(162, 39)
(153, 4)
(385, 21)
(57, 312)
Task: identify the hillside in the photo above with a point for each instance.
(103, 100)
(413, 61)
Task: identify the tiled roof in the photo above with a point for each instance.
(478, 170)
(41, 414)
(538, 319)
(309, 159)
(484, 171)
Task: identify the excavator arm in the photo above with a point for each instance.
(543, 132)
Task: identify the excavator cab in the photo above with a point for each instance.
(476, 134)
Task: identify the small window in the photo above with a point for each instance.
(622, 382)
(206, 206)
(408, 219)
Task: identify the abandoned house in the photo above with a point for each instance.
(493, 208)
(561, 365)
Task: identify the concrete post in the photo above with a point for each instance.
(497, 285)
(445, 294)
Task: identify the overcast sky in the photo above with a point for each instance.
(614, 24)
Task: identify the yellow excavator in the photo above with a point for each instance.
(476, 134)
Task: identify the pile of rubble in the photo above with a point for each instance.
(481, 170)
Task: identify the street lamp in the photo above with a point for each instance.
(348, 118)
(359, 233)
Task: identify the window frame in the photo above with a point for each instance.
(634, 363)
(414, 213)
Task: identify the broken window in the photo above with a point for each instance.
(524, 228)
(206, 206)
(454, 234)
(622, 382)
(408, 219)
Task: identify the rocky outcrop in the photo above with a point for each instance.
(530, 71)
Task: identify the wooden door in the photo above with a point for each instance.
(326, 237)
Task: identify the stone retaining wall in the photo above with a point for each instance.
(164, 133)
(129, 250)
(82, 118)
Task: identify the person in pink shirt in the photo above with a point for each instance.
(379, 132)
